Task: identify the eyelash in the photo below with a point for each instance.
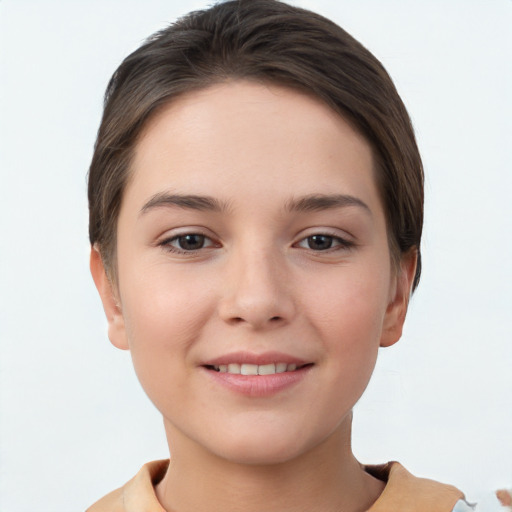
(167, 243)
(339, 243)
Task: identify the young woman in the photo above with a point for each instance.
(256, 207)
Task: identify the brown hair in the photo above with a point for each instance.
(267, 41)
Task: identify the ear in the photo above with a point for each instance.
(397, 307)
(111, 306)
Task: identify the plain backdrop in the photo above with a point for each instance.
(74, 423)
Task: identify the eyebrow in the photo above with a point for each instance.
(191, 202)
(317, 202)
(309, 203)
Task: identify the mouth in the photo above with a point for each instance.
(256, 369)
(257, 375)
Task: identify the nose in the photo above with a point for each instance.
(256, 291)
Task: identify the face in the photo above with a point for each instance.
(255, 283)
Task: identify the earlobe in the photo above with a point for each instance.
(397, 307)
(113, 312)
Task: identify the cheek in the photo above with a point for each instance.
(163, 306)
(350, 306)
(163, 315)
(348, 316)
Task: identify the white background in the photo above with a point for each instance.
(74, 423)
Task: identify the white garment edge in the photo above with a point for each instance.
(464, 506)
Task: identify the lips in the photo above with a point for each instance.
(257, 375)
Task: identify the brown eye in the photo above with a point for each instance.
(324, 242)
(191, 242)
(320, 242)
(187, 243)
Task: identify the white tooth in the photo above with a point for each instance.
(249, 369)
(223, 368)
(266, 369)
(234, 368)
(281, 367)
(216, 368)
(291, 367)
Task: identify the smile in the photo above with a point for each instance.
(254, 369)
(257, 380)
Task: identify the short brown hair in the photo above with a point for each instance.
(266, 41)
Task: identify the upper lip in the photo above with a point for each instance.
(258, 359)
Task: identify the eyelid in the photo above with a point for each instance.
(345, 241)
(165, 240)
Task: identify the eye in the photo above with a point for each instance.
(323, 242)
(190, 242)
(187, 242)
(320, 242)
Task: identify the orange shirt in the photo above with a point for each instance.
(403, 492)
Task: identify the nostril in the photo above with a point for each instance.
(240, 320)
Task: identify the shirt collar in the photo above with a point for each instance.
(403, 491)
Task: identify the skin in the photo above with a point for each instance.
(504, 497)
(260, 283)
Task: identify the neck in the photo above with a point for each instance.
(327, 478)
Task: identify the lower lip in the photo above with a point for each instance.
(258, 385)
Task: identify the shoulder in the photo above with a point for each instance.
(405, 492)
(138, 495)
(112, 502)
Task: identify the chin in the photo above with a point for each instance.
(259, 456)
(264, 447)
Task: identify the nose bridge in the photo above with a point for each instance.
(256, 288)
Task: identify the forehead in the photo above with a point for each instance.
(241, 138)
